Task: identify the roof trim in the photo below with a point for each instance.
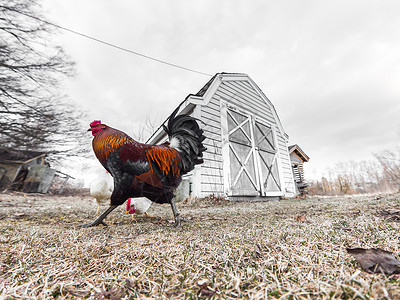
(296, 148)
(204, 95)
(214, 83)
(16, 156)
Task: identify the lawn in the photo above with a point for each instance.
(289, 249)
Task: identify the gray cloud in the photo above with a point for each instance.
(331, 68)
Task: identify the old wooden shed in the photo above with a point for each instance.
(298, 157)
(24, 170)
(247, 147)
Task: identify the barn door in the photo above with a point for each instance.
(253, 166)
(267, 159)
(242, 163)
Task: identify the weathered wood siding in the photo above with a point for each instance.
(243, 96)
(286, 166)
(211, 170)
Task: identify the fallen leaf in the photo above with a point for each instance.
(301, 218)
(393, 211)
(204, 289)
(342, 228)
(19, 215)
(107, 295)
(207, 293)
(203, 282)
(390, 214)
(258, 251)
(375, 260)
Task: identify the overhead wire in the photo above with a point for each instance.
(114, 46)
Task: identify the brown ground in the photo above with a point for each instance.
(290, 249)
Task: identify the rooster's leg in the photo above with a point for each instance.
(176, 214)
(100, 219)
(98, 209)
(148, 216)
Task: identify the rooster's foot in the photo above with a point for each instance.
(148, 216)
(99, 220)
(177, 222)
(92, 224)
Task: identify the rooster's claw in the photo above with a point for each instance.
(92, 224)
(99, 220)
(177, 222)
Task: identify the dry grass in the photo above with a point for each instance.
(292, 249)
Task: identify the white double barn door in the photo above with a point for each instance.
(251, 147)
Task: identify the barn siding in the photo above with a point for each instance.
(244, 101)
(286, 165)
(239, 92)
(242, 95)
(211, 169)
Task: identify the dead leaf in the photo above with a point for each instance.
(393, 211)
(204, 289)
(390, 214)
(19, 215)
(107, 295)
(375, 260)
(203, 282)
(342, 228)
(301, 218)
(258, 251)
(207, 293)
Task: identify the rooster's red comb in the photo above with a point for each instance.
(128, 203)
(94, 123)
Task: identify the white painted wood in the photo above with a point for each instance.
(225, 147)
(235, 92)
(244, 123)
(256, 159)
(278, 158)
(195, 179)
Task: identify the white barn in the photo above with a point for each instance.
(247, 147)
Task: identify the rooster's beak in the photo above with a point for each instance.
(127, 211)
(90, 129)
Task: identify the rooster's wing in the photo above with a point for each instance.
(156, 165)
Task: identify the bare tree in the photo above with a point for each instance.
(146, 129)
(390, 161)
(33, 113)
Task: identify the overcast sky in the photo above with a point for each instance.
(331, 68)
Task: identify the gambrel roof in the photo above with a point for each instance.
(204, 95)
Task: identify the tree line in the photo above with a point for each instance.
(380, 175)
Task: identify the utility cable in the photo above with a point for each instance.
(114, 46)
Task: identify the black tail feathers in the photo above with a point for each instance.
(186, 136)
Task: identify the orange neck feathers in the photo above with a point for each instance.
(166, 158)
(107, 141)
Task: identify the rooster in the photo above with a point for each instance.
(144, 170)
(138, 206)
